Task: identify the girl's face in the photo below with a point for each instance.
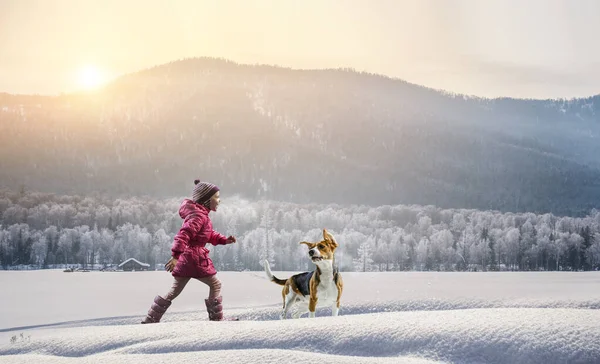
(214, 201)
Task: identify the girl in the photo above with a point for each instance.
(189, 255)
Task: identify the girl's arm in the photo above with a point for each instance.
(217, 238)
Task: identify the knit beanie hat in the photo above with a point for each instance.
(203, 191)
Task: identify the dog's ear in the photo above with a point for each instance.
(328, 237)
(310, 245)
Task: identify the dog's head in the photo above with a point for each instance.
(322, 250)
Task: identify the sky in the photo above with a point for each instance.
(427, 318)
(532, 49)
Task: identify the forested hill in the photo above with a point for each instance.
(325, 136)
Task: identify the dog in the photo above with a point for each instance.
(304, 292)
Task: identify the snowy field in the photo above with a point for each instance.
(546, 317)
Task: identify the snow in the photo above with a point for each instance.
(399, 317)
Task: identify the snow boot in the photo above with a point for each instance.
(157, 310)
(214, 307)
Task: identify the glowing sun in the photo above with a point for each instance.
(90, 77)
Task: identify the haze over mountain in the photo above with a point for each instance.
(321, 136)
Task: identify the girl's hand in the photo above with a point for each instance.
(171, 264)
(231, 239)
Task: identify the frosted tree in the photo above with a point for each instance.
(285, 243)
(141, 239)
(495, 241)
(77, 250)
(65, 245)
(83, 218)
(102, 217)
(558, 247)
(37, 217)
(564, 225)
(487, 253)
(255, 249)
(468, 238)
(458, 225)
(162, 245)
(441, 250)
(4, 249)
(424, 226)
(89, 245)
(398, 251)
(411, 250)
(52, 235)
(106, 248)
(351, 240)
(574, 248)
(593, 253)
(266, 224)
(422, 255)
(39, 249)
(291, 219)
(510, 245)
(117, 252)
(63, 215)
(232, 226)
(306, 219)
(5, 203)
(476, 256)
(544, 237)
(364, 259)
(14, 214)
(331, 218)
(382, 257)
(87, 248)
(527, 245)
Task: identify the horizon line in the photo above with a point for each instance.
(296, 69)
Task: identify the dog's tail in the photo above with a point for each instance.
(272, 278)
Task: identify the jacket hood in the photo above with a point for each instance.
(189, 207)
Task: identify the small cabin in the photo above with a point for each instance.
(133, 264)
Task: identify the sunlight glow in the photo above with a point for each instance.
(91, 77)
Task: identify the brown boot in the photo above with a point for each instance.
(157, 310)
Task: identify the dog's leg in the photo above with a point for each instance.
(300, 308)
(334, 309)
(312, 301)
(289, 301)
(299, 313)
(312, 305)
(336, 305)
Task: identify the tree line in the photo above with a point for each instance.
(43, 230)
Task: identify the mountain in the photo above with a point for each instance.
(327, 136)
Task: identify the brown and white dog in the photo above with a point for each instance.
(304, 292)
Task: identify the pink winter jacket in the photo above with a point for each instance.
(189, 243)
